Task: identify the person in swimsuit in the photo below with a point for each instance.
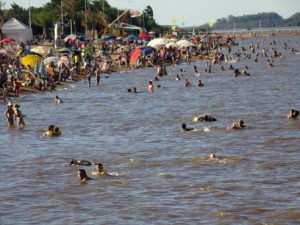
(207, 118)
(237, 125)
(9, 114)
(82, 176)
(100, 170)
(56, 132)
(50, 131)
(150, 87)
(58, 100)
(75, 162)
(18, 115)
(293, 114)
(184, 128)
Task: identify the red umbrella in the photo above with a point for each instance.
(135, 55)
(7, 40)
(145, 36)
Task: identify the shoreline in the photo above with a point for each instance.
(115, 69)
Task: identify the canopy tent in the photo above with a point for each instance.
(17, 30)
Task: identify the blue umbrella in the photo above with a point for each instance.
(36, 67)
(27, 52)
(132, 37)
(42, 69)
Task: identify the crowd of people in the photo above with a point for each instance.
(10, 70)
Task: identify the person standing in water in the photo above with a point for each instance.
(58, 100)
(89, 78)
(18, 115)
(9, 114)
(150, 87)
(97, 71)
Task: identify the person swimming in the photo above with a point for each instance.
(213, 156)
(184, 128)
(200, 84)
(207, 118)
(50, 131)
(75, 162)
(58, 100)
(237, 125)
(100, 170)
(82, 176)
(293, 114)
(187, 83)
(56, 132)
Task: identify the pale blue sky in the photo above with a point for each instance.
(193, 12)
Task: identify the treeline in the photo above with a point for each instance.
(78, 16)
(255, 21)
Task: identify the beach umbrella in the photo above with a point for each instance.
(51, 59)
(135, 55)
(132, 37)
(64, 50)
(63, 60)
(3, 52)
(145, 36)
(146, 50)
(110, 38)
(28, 52)
(173, 45)
(36, 67)
(180, 42)
(40, 49)
(42, 69)
(122, 49)
(31, 60)
(70, 37)
(7, 40)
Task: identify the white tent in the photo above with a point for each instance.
(17, 30)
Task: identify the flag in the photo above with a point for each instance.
(183, 20)
(211, 22)
(174, 21)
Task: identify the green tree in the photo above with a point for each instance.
(43, 19)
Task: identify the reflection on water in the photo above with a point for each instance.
(163, 176)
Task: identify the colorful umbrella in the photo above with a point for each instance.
(40, 49)
(42, 69)
(145, 36)
(64, 50)
(36, 67)
(3, 52)
(31, 60)
(51, 59)
(63, 60)
(71, 37)
(135, 55)
(7, 40)
(28, 52)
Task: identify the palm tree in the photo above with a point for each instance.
(43, 19)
